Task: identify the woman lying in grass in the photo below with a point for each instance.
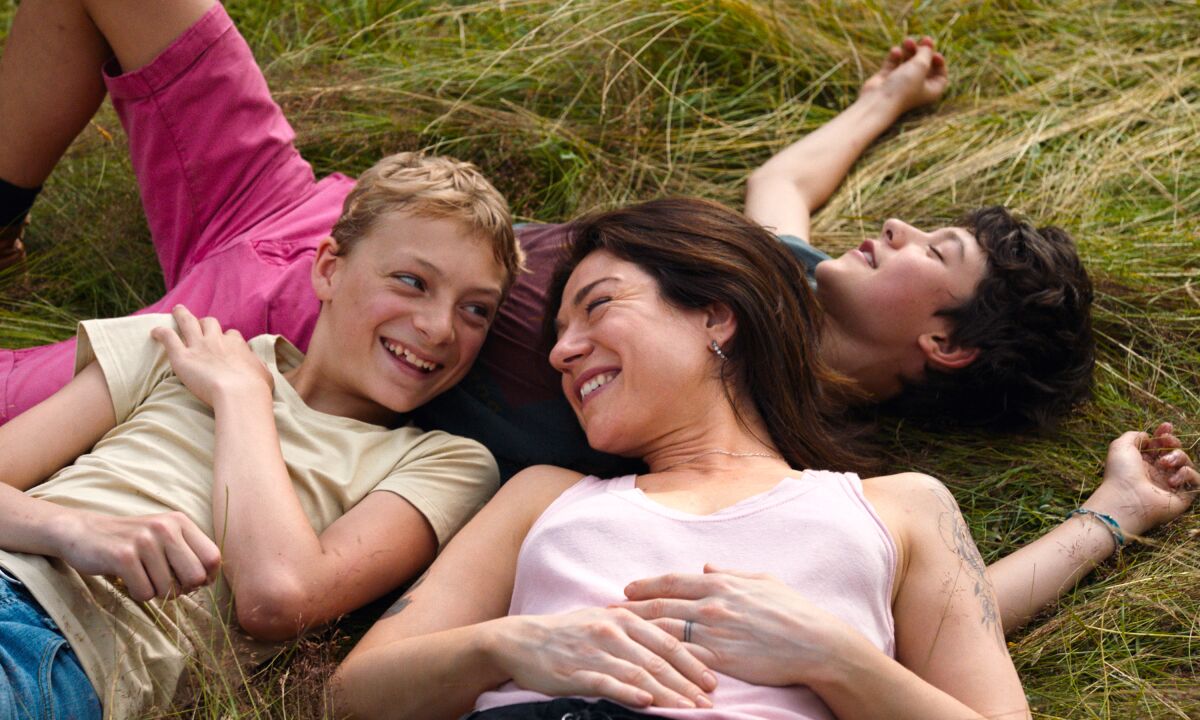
(694, 349)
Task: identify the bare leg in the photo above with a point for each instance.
(50, 83)
(49, 86)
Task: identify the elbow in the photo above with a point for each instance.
(273, 611)
(758, 182)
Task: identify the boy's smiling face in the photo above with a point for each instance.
(405, 313)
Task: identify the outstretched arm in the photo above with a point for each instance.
(783, 193)
(1148, 480)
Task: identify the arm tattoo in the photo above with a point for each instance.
(404, 601)
(957, 537)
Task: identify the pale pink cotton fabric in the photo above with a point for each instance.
(815, 532)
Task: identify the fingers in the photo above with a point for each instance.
(164, 556)
(168, 338)
(1185, 480)
(630, 666)
(602, 685)
(158, 570)
(674, 585)
(1172, 461)
(165, 544)
(696, 648)
(937, 66)
(669, 663)
(137, 582)
(656, 608)
(189, 327)
(192, 329)
(894, 57)
(205, 550)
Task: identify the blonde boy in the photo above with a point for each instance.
(224, 480)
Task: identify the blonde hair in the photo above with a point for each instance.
(431, 187)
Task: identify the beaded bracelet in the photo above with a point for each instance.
(1111, 525)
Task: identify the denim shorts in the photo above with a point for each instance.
(40, 677)
(561, 709)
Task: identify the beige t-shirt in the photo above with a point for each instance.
(159, 458)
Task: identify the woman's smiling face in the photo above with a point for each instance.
(633, 366)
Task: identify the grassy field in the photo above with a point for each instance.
(1085, 114)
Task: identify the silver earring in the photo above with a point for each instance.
(717, 350)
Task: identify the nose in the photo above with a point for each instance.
(435, 324)
(571, 347)
(897, 233)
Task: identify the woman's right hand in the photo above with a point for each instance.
(601, 652)
(155, 556)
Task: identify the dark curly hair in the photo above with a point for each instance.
(1030, 319)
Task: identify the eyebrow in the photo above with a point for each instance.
(956, 236)
(430, 267)
(583, 291)
(436, 271)
(579, 296)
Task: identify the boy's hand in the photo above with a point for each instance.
(914, 74)
(1148, 480)
(155, 556)
(211, 363)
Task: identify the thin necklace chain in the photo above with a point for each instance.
(730, 453)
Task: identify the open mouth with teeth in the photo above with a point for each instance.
(408, 357)
(596, 383)
(867, 250)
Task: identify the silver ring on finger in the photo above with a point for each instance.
(687, 630)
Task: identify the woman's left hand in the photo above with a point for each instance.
(749, 626)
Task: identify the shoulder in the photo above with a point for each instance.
(445, 457)
(531, 491)
(521, 501)
(539, 485)
(912, 505)
(916, 508)
(909, 491)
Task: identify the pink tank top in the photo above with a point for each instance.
(815, 532)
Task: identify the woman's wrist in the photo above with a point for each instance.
(490, 641)
(847, 659)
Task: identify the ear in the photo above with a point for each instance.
(720, 323)
(941, 354)
(325, 266)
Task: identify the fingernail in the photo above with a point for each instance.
(703, 701)
(710, 680)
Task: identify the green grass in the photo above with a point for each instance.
(1080, 113)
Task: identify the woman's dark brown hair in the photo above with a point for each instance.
(701, 253)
